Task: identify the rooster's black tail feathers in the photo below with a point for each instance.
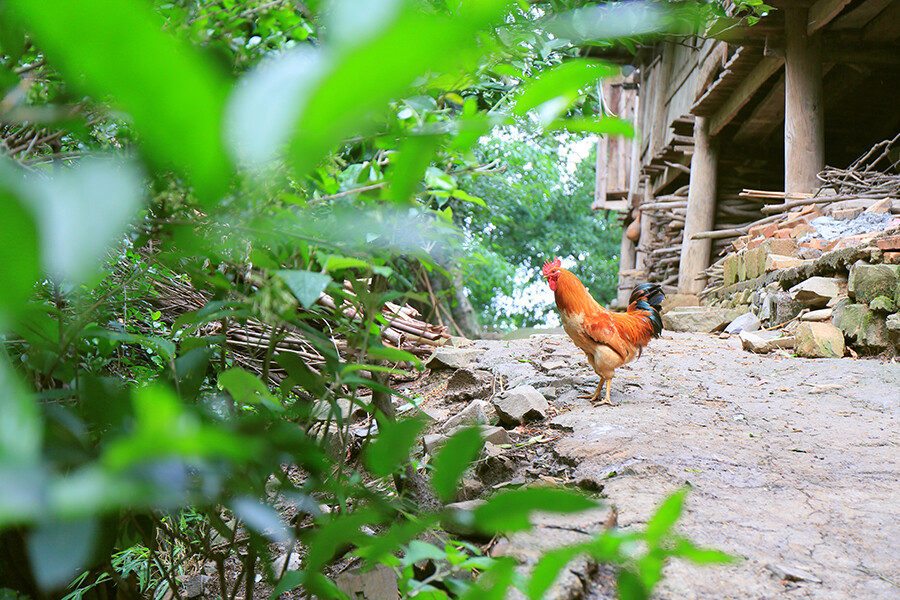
(649, 297)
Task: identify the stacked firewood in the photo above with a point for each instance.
(252, 344)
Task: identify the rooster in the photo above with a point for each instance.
(608, 339)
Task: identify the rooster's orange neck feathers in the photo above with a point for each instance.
(572, 296)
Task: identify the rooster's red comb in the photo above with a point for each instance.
(550, 265)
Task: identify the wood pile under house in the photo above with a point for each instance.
(737, 128)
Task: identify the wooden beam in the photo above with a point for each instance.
(701, 210)
(767, 67)
(602, 172)
(765, 118)
(886, 27)
(823, 12)
(860, 16)
(804, 123)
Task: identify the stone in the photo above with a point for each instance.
(788, 573)
(882, 304)
(861, 326)
(554, 364)
(454, 358)
(730, 268)
(846, 214)
(375, 584)
(473, 414)
(702, 319)
(891, 258)
(433, 441)
(819, 340)
(752, 260)
(466, 384)
(855, 241)
(802, 229)
(816, 292)
(495, 435)
(868, 281)
(785, 308)
(765, 341)
(889, 243)
(520, 405)
(881, 207)
(194, 585)
(823, 314)
(676, 300)
(745, 322)
(775, 262)
(893, 323)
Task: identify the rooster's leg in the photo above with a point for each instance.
(593, 397)
(607, 400)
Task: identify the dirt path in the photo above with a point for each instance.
(794, 463)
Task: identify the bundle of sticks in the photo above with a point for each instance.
(253, 344)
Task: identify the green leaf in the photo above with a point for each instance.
(511, 511)
(547, 569)
(684, 548)
(630, 586)
(402, 44)
(391, 449)
(599, 125)
(117, 48)
(378, 549)
(665, 517)
(290, 581)
(453, 459)
(81, 211)
(247, 388)
(263, 519)
(60, 550)
(18, 247)
(338, 263)
(415, 154)
(21, 430)
(306, 286)
(562, 84)
(419, 550)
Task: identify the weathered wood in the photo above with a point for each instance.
(804, 126)
(627, 261)
(823, 12)
(602, 173)
(761, 73)
(765, 118)
(701, 209)
(860, 16)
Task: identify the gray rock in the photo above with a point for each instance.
(785, 308)
(819, 340)
(787, 573)
(194, 585)
(822, 314)
(816, 292)
(521, 404)
(861, 326)
(554, 364)
(473, 414)
(495, 435)
(701, 319)
(291, 561)
(433, 442)
(882, 304)
(765, 341)
(745, 322)
(466, 384)
(867, 282)
(378, 583)
(453, 358)
(893, 323)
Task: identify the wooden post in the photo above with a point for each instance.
(643, 248)
(804, 117)
(701, 210)
(602, 178)
(627, 261)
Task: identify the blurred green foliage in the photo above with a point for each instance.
(246, 157)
